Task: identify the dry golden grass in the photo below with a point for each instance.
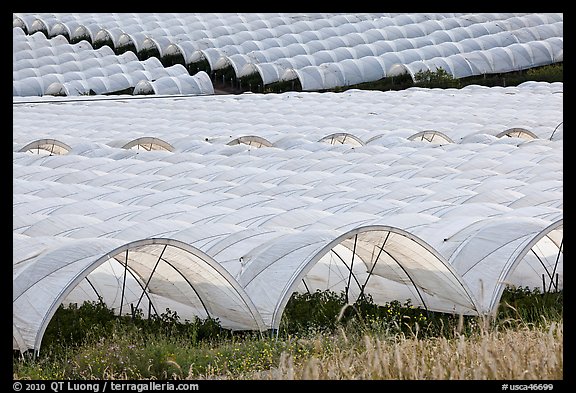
(525, 354)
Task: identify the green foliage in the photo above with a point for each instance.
(399, 82)
(324, 312)
(89, 342)
(311, 312)
(521, 305)
(282, 86)
(147, 53)
(439, 78)
(80, 38)
(173, 59)
(72, 325)
(549, 73)
(168, 324)
(201, 65)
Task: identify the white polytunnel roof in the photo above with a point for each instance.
(150, 274)
(387, 254)
(407, 50)
(490, 60)
(440, 196)
(272, 45)
(77, 69)
(499, 245)
(197, 84)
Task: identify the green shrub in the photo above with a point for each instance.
(439, 78)
(522, 305)
(326, 311)
(72, 325)
(549, 73)
(89, 342)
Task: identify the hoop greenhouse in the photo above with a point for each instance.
(224, 205)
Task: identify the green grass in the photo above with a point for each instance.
(89, 342)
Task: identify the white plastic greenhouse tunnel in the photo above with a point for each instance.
(46, 146)
(261, 215)
(383, 262)
(449, 236)
(386, 263)
(138, 184)
(148, 143)
(150, 275)
(319, 51)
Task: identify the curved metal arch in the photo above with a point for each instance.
(363, 286)
(135, 277)
(517, 132)
(250, 140)
(375, 137)
(431, 136)
(150, 278)
(555, 129)
(148, 143)
(118, 250)
(298, 276)
(349, 268)
(500, 285)
(342, 138)
(137, 281)
(52, 146)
